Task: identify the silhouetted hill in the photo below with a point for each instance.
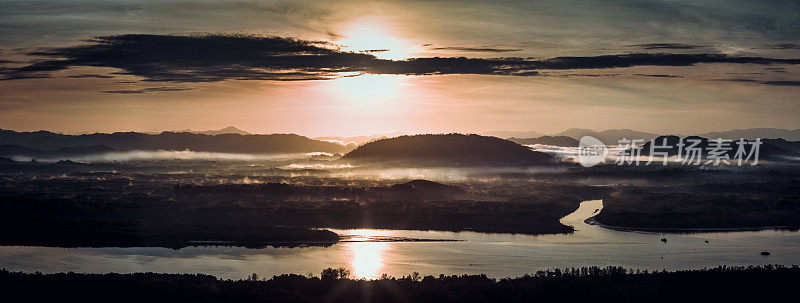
(766, 150)
(784, 144)
(231, 143)
(9, 150)
(609, 137)
(753, 133)
(508, 134)
(227, 130)
(425, 186)
(449, 149)
(358, 140)
(547, 140)
(612, 136)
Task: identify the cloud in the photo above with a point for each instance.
(91, 76)
(657, 75)
(654, 46)
(22, 77)
(202, 58)
(785, 46)
(765, 82)
(478, 49)
(586, 75)
(776, 69)
(146, 90)
(526, 74)
(215, 57)
(781, 83)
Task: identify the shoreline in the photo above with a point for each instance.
(592, 221)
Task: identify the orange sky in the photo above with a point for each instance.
(693, 99)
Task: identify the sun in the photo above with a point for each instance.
(375, 38)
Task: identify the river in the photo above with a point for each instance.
(496, 255)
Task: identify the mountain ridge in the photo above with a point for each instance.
(450, 149)
(121, 141)
(547, 140)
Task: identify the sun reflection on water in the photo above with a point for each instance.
(367, 257)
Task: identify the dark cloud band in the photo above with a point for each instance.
(208, 58)
(147, 90)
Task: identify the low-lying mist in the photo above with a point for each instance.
(142, 155)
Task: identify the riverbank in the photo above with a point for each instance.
(703, 207)
(592, 221)
(570, 285)
(599, 207)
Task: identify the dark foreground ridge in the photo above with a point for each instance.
(592, 284)
(449, 149)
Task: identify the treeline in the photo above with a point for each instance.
(571, 285)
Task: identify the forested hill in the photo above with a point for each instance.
(229, 143)
(449, 149)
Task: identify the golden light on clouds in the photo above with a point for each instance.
(376, 38)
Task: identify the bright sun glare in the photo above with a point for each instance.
(377, 39)
(367, 257)
(366, 89)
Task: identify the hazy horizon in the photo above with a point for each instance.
(533, 133)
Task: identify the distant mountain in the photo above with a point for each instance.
(508, 134)
(612, 136)
(609, 137)
(230, 143)
(227, 130)
(766, 150)
(753, 133)
(784, 144)
(547, 140)
(576, 133)
(450, 149)
(426, 186)
(358, 140)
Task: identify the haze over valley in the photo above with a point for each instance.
(399, 151)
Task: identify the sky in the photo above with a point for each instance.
(349, 68)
